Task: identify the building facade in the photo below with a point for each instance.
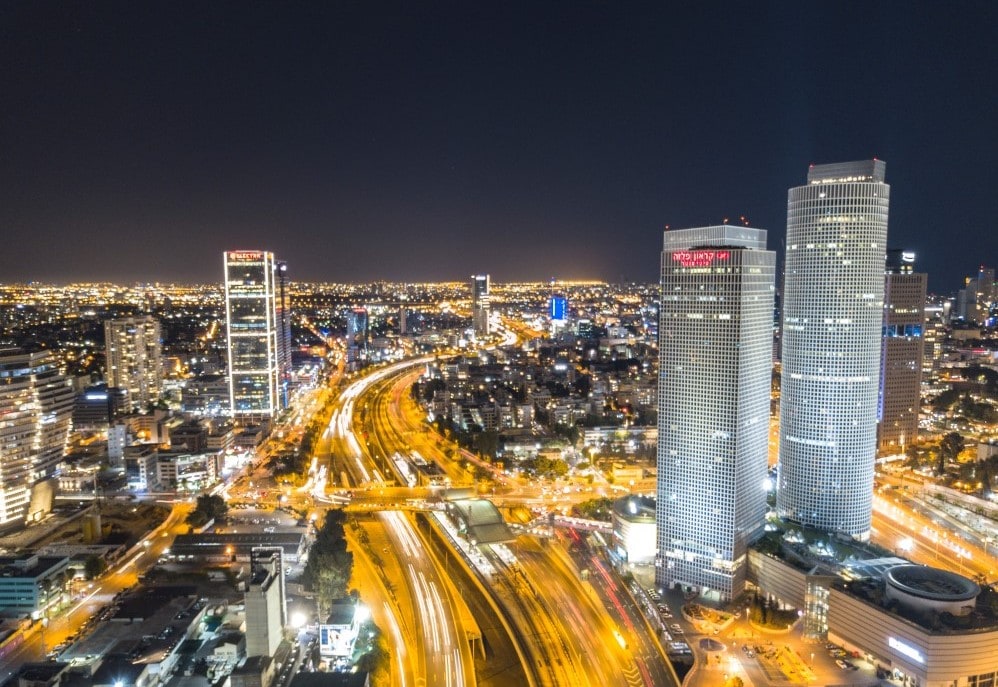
(282, 304)
(715, 354)
(252, 325)
(832, 324)
(133, 346)
(357, 328)
(31, 584)
(974, 301)
(480, 307)
(265, 603)
(902, 352)
(36, 403)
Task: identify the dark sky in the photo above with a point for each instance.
(427, 141)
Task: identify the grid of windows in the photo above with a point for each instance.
(832, 323)
(251, 321)
(480, 287)
(982, 680)
(36, 409)
(715, 342)
(133, 346)
(901, 363)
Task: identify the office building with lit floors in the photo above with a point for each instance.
(36, 404)
(357, 335)
(902, 353)
(480, 303)
(133, 348)
(715, 370)
(833, 299)
(252, 324)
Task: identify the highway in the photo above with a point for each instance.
(572, 639)
(439, 653)
(902, 525)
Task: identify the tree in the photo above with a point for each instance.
(949, 448)
(209, 507)
(330, 564)
(94, 566)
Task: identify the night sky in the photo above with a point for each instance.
(428, 141)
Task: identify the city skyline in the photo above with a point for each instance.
(365, 145)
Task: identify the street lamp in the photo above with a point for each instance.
(906, 544)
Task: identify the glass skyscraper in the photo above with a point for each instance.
(715, 355)
(252, 324)
(833, 301)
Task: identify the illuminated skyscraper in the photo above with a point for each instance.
(902, 352)
(252, 326)
(133, 347)
(356, 336)
(36, 404)
(558, 312)
(480, 285)
(833, 301)
(282, 303)
(715, 371)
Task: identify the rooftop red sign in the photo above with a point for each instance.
(699, 258)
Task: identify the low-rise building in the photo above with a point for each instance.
(228, 546)
(634, 529)
(32, 584)
(338, 634)
(140, 466)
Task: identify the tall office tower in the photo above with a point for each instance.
(356, 336)
(252, 326)
(282, 304)
(984, 294)
(933, 335)
(480, 286)
(715, 375)
(133, 347)
(974, 301)
(265, 602)
(36, 404)
(902, 352)
(833, 300)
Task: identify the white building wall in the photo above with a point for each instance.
(715, 342)
(832, 311)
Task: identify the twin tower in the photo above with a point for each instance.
(716, 338)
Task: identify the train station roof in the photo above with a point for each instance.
(482, 521)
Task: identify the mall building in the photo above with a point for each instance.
(923, 626)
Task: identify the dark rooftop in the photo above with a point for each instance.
(329, 680)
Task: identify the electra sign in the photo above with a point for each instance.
(699, 258)
(906, 649)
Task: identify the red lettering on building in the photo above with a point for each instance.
(699, 258)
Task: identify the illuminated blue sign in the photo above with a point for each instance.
(558, 307)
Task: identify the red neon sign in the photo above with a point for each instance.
(699, 258)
